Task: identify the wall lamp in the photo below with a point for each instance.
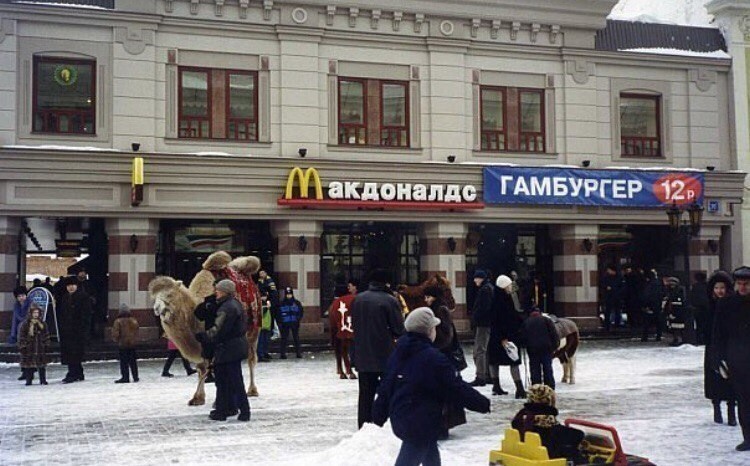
(712, 246)
(587, 245)
(451, 158)
(451, 244)
(586, 163)
(302, 152)
(133, 243)
(302, 243)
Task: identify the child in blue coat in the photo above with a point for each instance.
(419, 379)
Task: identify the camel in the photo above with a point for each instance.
(174, 305)
(249, 295)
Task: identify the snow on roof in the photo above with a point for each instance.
(684, 53)
(679, 12)
(66, 5)
(56, 147)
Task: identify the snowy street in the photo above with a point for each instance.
(652, 394)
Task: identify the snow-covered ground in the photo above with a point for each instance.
(651, 393)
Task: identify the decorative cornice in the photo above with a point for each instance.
(580, 70)
(134, 40)
(702, 78)
(398, 16)
(7, 28)
(353, 13)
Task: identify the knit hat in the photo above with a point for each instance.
(288, 290)
(542, 394)
(741, 273)
(227, 286)
(503, 281)
(421, 320)
(480, 273)
(124, 310)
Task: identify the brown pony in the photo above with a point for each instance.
(567, 330)
(413, 296)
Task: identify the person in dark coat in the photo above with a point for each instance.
(612, 289)
(419, 379)
(505, 332)
(20, 311)
(446, 339)
(539, 415)
(74, 319)
(376, 322)
(653, 296)
(732, 339)
(33, 344)
(541, 339)
(481, 319)
(290, 315)
(675, 309)
(631, 296)
(230, 349)
(125, 334)
(716, 388)
(698, 304)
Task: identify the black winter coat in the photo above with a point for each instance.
(481, 313)
(612, 289)
(540, 335)
(714, 386)
(228, 332)
(74, 314)
(377, 323)
(633, 286)
(505, 325)
(676, 307)
(732, 339)
(653, 295)
(417, 383)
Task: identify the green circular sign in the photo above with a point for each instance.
(66, 75)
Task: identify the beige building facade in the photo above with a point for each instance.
(223, 99)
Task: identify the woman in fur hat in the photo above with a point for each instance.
(539, 415)
(33, 342)
(716, 388)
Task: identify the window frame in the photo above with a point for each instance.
(405, 128)
(36, 59)
(209, 101)
(227, 101)
(517, 134)
(658, 115)
(504, 91)
(363, 82)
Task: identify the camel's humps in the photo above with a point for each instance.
(202, 284)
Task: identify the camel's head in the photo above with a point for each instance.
(246, 265)
(170, 296)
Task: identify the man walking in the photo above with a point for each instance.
(75, 313)
(481, 319)
(732, 340)
(376, 322)
(612, 286)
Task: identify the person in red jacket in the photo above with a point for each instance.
(342, 333)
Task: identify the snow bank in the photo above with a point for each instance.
(680, 12)
(57, 147)
(684, 53)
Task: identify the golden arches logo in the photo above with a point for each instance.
(303, 178)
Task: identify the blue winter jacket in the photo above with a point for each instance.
(19, 315)
(290, 311)
(419, 379)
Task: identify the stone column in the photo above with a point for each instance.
(132, 265)
(440, 255)
(297, 265)
(705, 250)
(576, 277)
(10, 228)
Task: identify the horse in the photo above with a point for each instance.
(567, 330)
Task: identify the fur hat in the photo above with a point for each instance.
(480, 273)
(19, 290)
(719, 276)
(124, 310)
(503, 282)
(421, 320)
(217, 260)
(227, 286)
(70, 280)
(541, 394)
(247, 265)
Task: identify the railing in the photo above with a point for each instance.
(493, 140)
(531, 142)
(242, 129)
(352, 134)
(64, 121)
(396, 136)
(645, 146)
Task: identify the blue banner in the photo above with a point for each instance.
(575, 186)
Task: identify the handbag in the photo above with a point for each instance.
(456, 355)
(512, 351)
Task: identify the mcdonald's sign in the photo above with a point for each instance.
(378, 196)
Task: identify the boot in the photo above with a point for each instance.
(520, 392)
(717, 413)
(731, 413)
(478, 382)
(29, 376)
(42, 376)
(496, 388)
(744, 446)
